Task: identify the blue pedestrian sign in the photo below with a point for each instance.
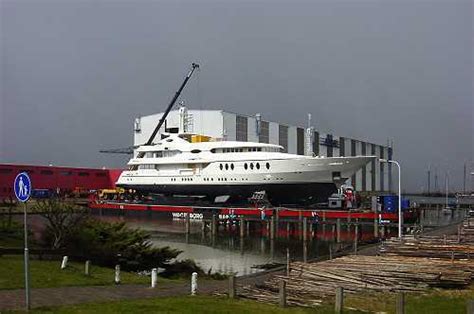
(22, 187)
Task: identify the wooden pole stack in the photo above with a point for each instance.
(308, 284)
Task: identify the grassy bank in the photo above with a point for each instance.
(434, 302)
(431, 302)
(46, 274)
(192, 305)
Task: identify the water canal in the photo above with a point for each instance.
(228, 252)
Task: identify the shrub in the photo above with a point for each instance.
(109, 244)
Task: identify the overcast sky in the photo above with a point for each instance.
(74, 74)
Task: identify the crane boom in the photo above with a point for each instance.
(129, 150)
(194, 66)
(176, 95)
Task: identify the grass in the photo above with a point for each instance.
(47, 274)
(192, 305)
(432, 302)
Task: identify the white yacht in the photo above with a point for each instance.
(190, 164)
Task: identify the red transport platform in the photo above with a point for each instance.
(409, 215)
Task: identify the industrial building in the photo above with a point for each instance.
(225, 125)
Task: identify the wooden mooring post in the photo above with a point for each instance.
(242, 227)
(272, 227)
(214, 225)
(356, 238)
(305, 229)
(305, 252)
(188, 223)
(300, 222)
(400, 308)
(232, 289)
(376, 218)
(338, 230)
(338, 306)
(282, 294)
(287, 261)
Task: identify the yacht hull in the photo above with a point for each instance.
(277, 193)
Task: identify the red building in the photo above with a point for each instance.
(63, 179)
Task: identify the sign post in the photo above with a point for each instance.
(22, 187)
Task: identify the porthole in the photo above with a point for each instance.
(221, 166)
(251, 166)
(232, 166)
(226, 167)
(267, 165)
(196, 151)
(257, 165)
(246, 166)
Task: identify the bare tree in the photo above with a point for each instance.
(62, 219)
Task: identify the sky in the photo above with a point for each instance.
(75, 73)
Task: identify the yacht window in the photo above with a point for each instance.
(147, 166)
(213, 150)
(220, 166)
(259, 149)
(232, 166)
(267, 165)
(170, 153)
(226, 167)
(196, 151)
(246, 166)
(257, 165)
(251, 166)
(169, 140)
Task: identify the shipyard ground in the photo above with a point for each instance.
(72, 292)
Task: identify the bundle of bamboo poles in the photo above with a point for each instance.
(309, 283)
(428, 246)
